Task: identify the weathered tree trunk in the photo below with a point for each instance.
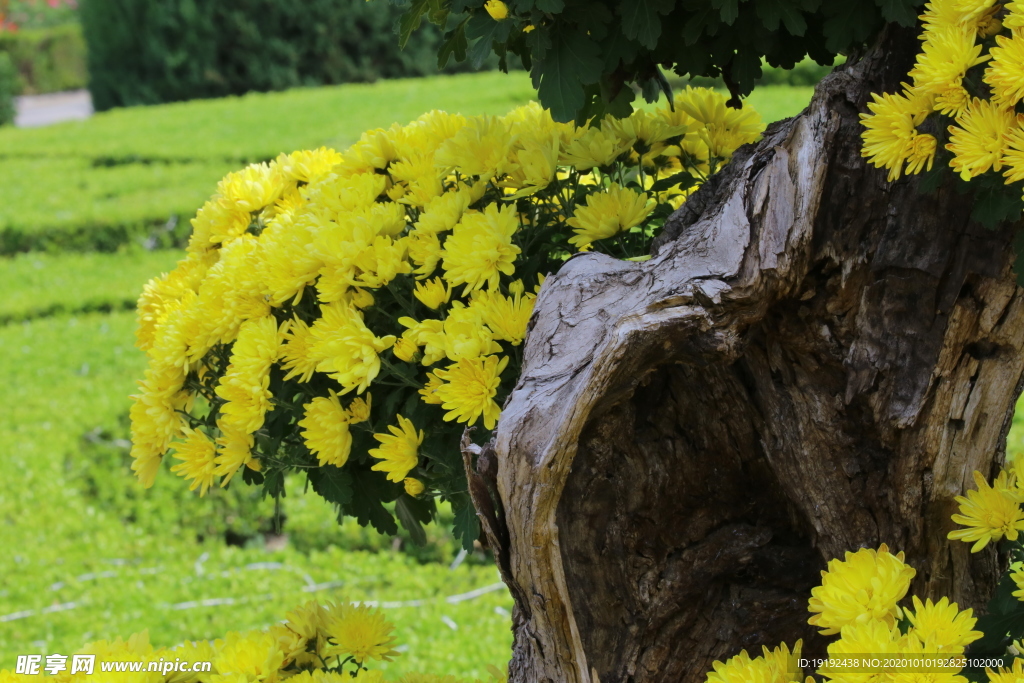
(815, 360)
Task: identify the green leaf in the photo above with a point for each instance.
(728, 10)
(486, 31)
(704, 22)
(333, 484)
(413, 514)
(1018, 249)
(410, 21)
(993, 205)
(640, 20)
(903, 12)
(849, 22)
(572, 62)
(467, 526)
(551, 6)
(454, 45)
(772, 12)
(683, 179)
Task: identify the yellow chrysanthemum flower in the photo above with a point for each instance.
(480, 149)
(1005, 73)
(869, 636)
(360, 632)
(252, 188)
(979, 138)
(254, 654)
(349, 350)
(593, 147)
(399, 450)
(468, 389)
(429, 391)
(775, 666)
(1013, 157)
(945, 57)
(865, 586)
(722, 129)
(890, 130)
(433, 293)
(990, 512)
(1012, 674)
(359, 409)
(480, 248)
(507, 317)
(606, 214)
(326, 430)
(234, 449)
(941, 626)
(197, 454)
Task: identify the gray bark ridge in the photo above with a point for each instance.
(813, 360)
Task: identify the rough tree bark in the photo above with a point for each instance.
(814, 360)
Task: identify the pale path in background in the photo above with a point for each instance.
(42, 110)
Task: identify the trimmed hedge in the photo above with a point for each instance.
(9, 87)
(154, 51)
(48, 59)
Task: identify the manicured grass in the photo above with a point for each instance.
(101, 575)
(39, 284)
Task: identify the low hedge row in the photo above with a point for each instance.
(156, 51)
(47, 59)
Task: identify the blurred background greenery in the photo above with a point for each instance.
(89, 211)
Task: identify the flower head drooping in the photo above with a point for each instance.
(197, 454)
(326, 431)
(865, 586)
(989, 513)
(399, 450)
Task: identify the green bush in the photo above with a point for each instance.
(9, 87)
(153, 51)
(48, 59)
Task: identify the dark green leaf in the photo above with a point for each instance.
(993, 205)
(572, 62)
(454, 45)
(552, 6)
(683, 179)
(728, 10)
(333, 484)
(641, 20)
(849, 22)
(413, 514)
(903, 12)
(251, 477)
(410, 21)
(1018, 249)
(786, 11)
(467, 526)
(486, 31)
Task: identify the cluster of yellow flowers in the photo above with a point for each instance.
(405, 267)
(858, 600)
(328, 643)
(969, 77)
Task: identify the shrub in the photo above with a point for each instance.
(48, 59)
(145, 52)
(9, 87)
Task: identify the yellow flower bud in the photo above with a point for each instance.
(359, 409)
(497, 9)
(413, 487)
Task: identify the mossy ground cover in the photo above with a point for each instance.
(89, 554)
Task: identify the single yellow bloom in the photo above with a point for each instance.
(197, 454)
(360, 632)
(864, 587)
(469, 388)
(990, 513)
(326, 430)
(399, 450)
